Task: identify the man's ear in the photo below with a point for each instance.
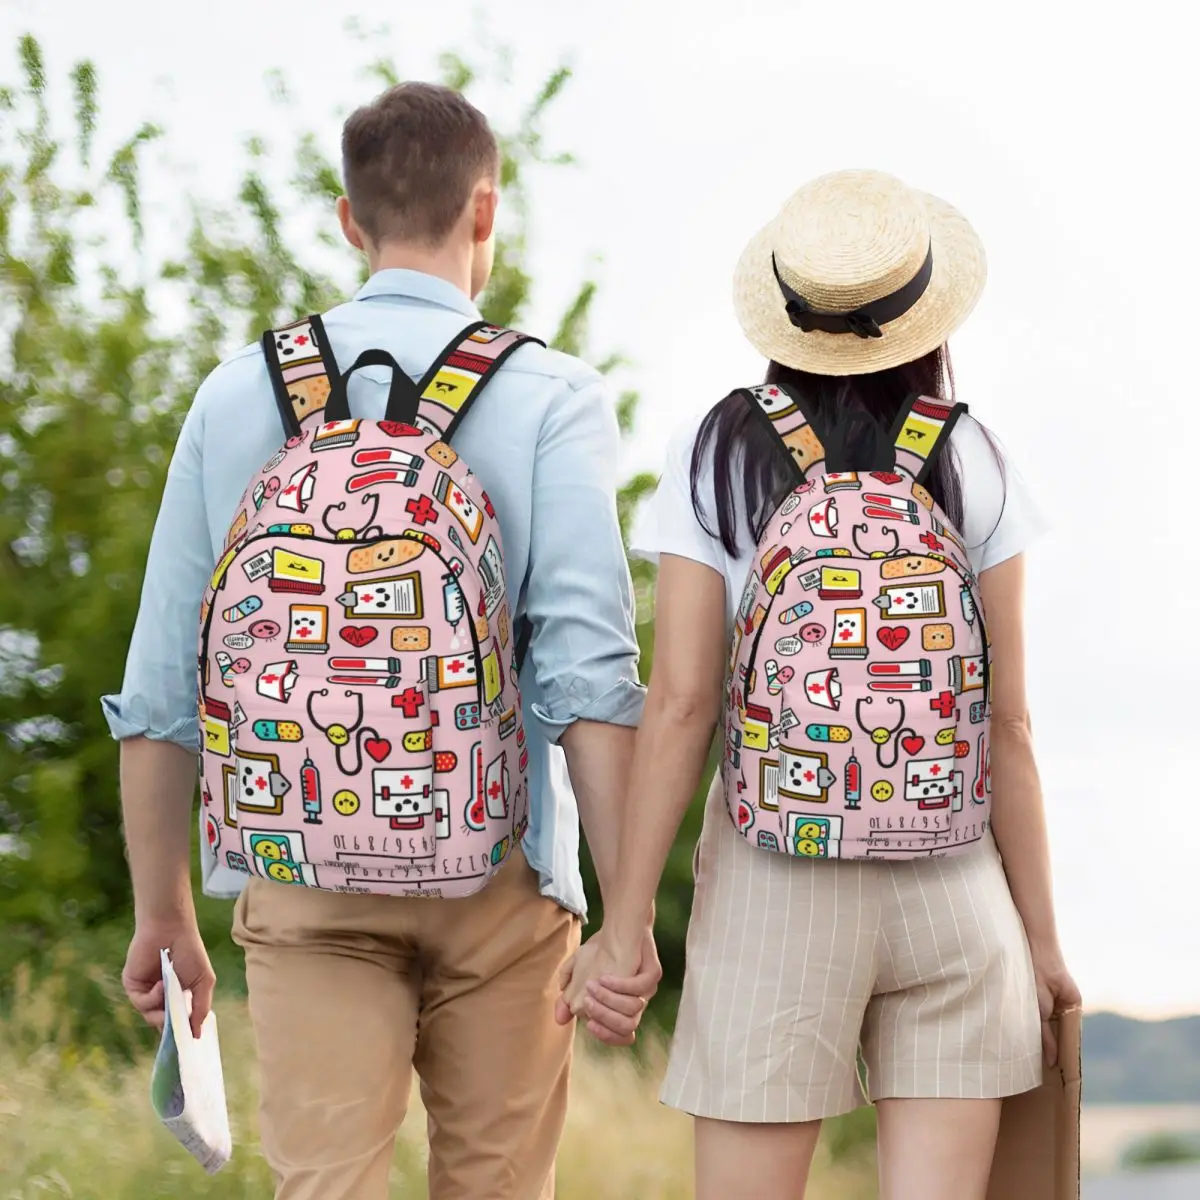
(486, 198)
(350, 230)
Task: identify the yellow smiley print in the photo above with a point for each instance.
(345, 802)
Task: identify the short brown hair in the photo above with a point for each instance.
(410, 159)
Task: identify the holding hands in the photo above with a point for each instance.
(607, 985)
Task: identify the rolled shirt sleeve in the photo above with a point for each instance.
(158, 694)
(579, 595)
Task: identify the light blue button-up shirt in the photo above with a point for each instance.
(542, 438)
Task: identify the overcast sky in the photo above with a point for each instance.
(1064, 134)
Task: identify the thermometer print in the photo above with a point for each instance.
(385, 666)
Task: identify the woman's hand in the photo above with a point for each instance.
(609, 987)
(1056, 992)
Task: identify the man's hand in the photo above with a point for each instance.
(142, 977)
(609, 988)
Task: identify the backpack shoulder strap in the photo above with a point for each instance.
(458, 375)
(923, 426)
(781, 411)
(304, 374)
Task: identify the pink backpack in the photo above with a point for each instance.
(856, 721)
(358, 664)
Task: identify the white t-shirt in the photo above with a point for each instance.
(1000, 518)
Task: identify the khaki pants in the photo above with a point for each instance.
(350, 993)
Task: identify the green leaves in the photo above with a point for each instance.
(95, 376)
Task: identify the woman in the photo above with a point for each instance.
(929, 943)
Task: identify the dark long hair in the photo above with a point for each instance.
(854, 415)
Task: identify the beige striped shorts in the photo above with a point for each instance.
(796, 966)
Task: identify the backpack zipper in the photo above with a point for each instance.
(987, 681)
(234, 553)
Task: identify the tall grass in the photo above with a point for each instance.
(75, 1122)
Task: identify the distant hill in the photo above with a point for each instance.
(1140, 1062)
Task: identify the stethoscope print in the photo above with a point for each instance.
(884, 738)
(340, 736)
(887, 530)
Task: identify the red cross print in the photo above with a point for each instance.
(422, 511)
(260, 783)
(302, 340)
(817, 518)
(773, 392)
(943, 704)
(809, 777)
(494, 789)
(409, 701)
(972, 668)
(456, 666)
(407, 782)
(846, 633)
(816, 688)
(458, 497)
(930, 542)
(935, 769)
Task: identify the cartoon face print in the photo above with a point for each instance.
(217, 727)
(911, 565)
(840, 583)
(774, 401)
(804, 774)
(922, 496)
(937, 637)
(882, 790)
(899, 601)
(849, 638)
(308, 629)
(411, 637)
(236, 529)
(812, 836)
(394, 597)
(805, 446)
(254, 784)
(264, 629)
(308, 395)
(296, 343)
(465, 510)
(345, 803)
(933, 783)
(406, 796)
(812, 632)
(442, 454)
(277, 731)
(382, 555)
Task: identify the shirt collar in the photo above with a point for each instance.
(416, 285)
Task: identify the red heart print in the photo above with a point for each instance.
(399, 429)
(378, 748)
(893, 636)
(364, 635)
(886, 476)
(912, 744)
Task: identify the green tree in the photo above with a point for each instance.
(94, 381)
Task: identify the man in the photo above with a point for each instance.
(348, 993)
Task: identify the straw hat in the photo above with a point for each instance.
(857, 273)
